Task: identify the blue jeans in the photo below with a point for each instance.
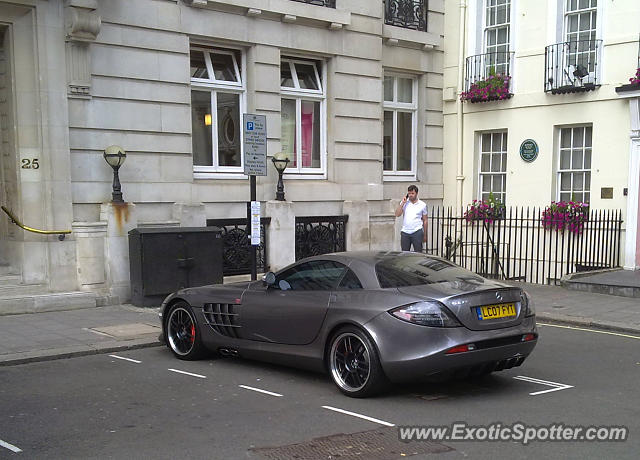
(412, 239)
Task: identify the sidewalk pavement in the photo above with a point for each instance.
(62, 334)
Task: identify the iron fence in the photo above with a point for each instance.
(481, 66)
(410, 14)
(236, 245)
(327, 3)
(572, 66)
(320, 235)
(519, 247)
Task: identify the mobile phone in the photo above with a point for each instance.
(406, 196)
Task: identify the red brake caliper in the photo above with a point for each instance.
(193, 333)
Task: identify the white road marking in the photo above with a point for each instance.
(590, 330)
(11, 447)
(126, 359)
(188, 373)
(97, 332)
(556, 386)
(260, 391)
(371, 419)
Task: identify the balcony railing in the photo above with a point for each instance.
(572, 67)
(410, 14)
(491, 71)
(327, 3)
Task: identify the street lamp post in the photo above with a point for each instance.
(280, 161)
(115, 156)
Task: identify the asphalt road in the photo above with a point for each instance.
(102, 406)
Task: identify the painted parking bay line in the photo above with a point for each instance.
(595, 331)
(260, 390)
(126, 359)
(555, 385)
(11, 447)
(354, 414)
(188, 373)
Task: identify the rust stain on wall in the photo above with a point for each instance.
(121, 211)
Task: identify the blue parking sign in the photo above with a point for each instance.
(249, 126)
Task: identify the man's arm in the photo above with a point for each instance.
(400, 208)
(425, 223)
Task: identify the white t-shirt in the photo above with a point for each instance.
(412, 218)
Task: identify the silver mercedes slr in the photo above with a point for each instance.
(367, 318)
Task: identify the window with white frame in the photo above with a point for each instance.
(580, 32)
(302, 113)
(217, 102)
(497, 35)
(574, 164)
(492, 179)
(400, 125)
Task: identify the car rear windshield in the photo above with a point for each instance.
(409, 270)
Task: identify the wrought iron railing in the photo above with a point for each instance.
(236, 246)
(519, 246)
(481, 67)
(572, 66)
(320, 235)
(327, 3)
(410, 14)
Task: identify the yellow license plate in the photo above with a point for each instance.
(501, 310)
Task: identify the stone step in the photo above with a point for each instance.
(10, 280)
(21, 290)
(12, 305)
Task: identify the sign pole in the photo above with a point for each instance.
(253, 251)
(255, 164)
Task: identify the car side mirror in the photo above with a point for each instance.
(269, 279)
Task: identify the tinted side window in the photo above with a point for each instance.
(315, 275)
(350, 281)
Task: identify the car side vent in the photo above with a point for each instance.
(222, 318)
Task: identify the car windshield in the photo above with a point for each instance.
(410, 270)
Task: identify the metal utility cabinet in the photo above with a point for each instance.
(163, 260)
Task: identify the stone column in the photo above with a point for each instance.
(281, 234)
(358, 237)
(120, 219)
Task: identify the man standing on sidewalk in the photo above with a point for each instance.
(414, 221)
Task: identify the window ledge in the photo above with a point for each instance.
(628, 90)
(218, 175)
(287, 10)
(399, 36)
(297, 176)
(399, 178)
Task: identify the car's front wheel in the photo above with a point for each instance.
(183, 333)
(354, 364)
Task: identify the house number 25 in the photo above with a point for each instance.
(28, 163)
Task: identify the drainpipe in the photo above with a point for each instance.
(461, 61)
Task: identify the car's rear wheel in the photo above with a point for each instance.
(183, 333)
(354, 364)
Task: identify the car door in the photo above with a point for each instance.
(292, 310)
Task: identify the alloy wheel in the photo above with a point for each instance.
(181, 331)
(350, 362)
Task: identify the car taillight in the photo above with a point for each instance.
(461, 349)
(426, 314)
(528, 337)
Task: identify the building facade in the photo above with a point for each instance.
(351, 91)
(533, 106)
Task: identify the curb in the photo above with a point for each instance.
(73, 352)
(587, 323)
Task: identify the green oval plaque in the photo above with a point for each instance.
(529, 150)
